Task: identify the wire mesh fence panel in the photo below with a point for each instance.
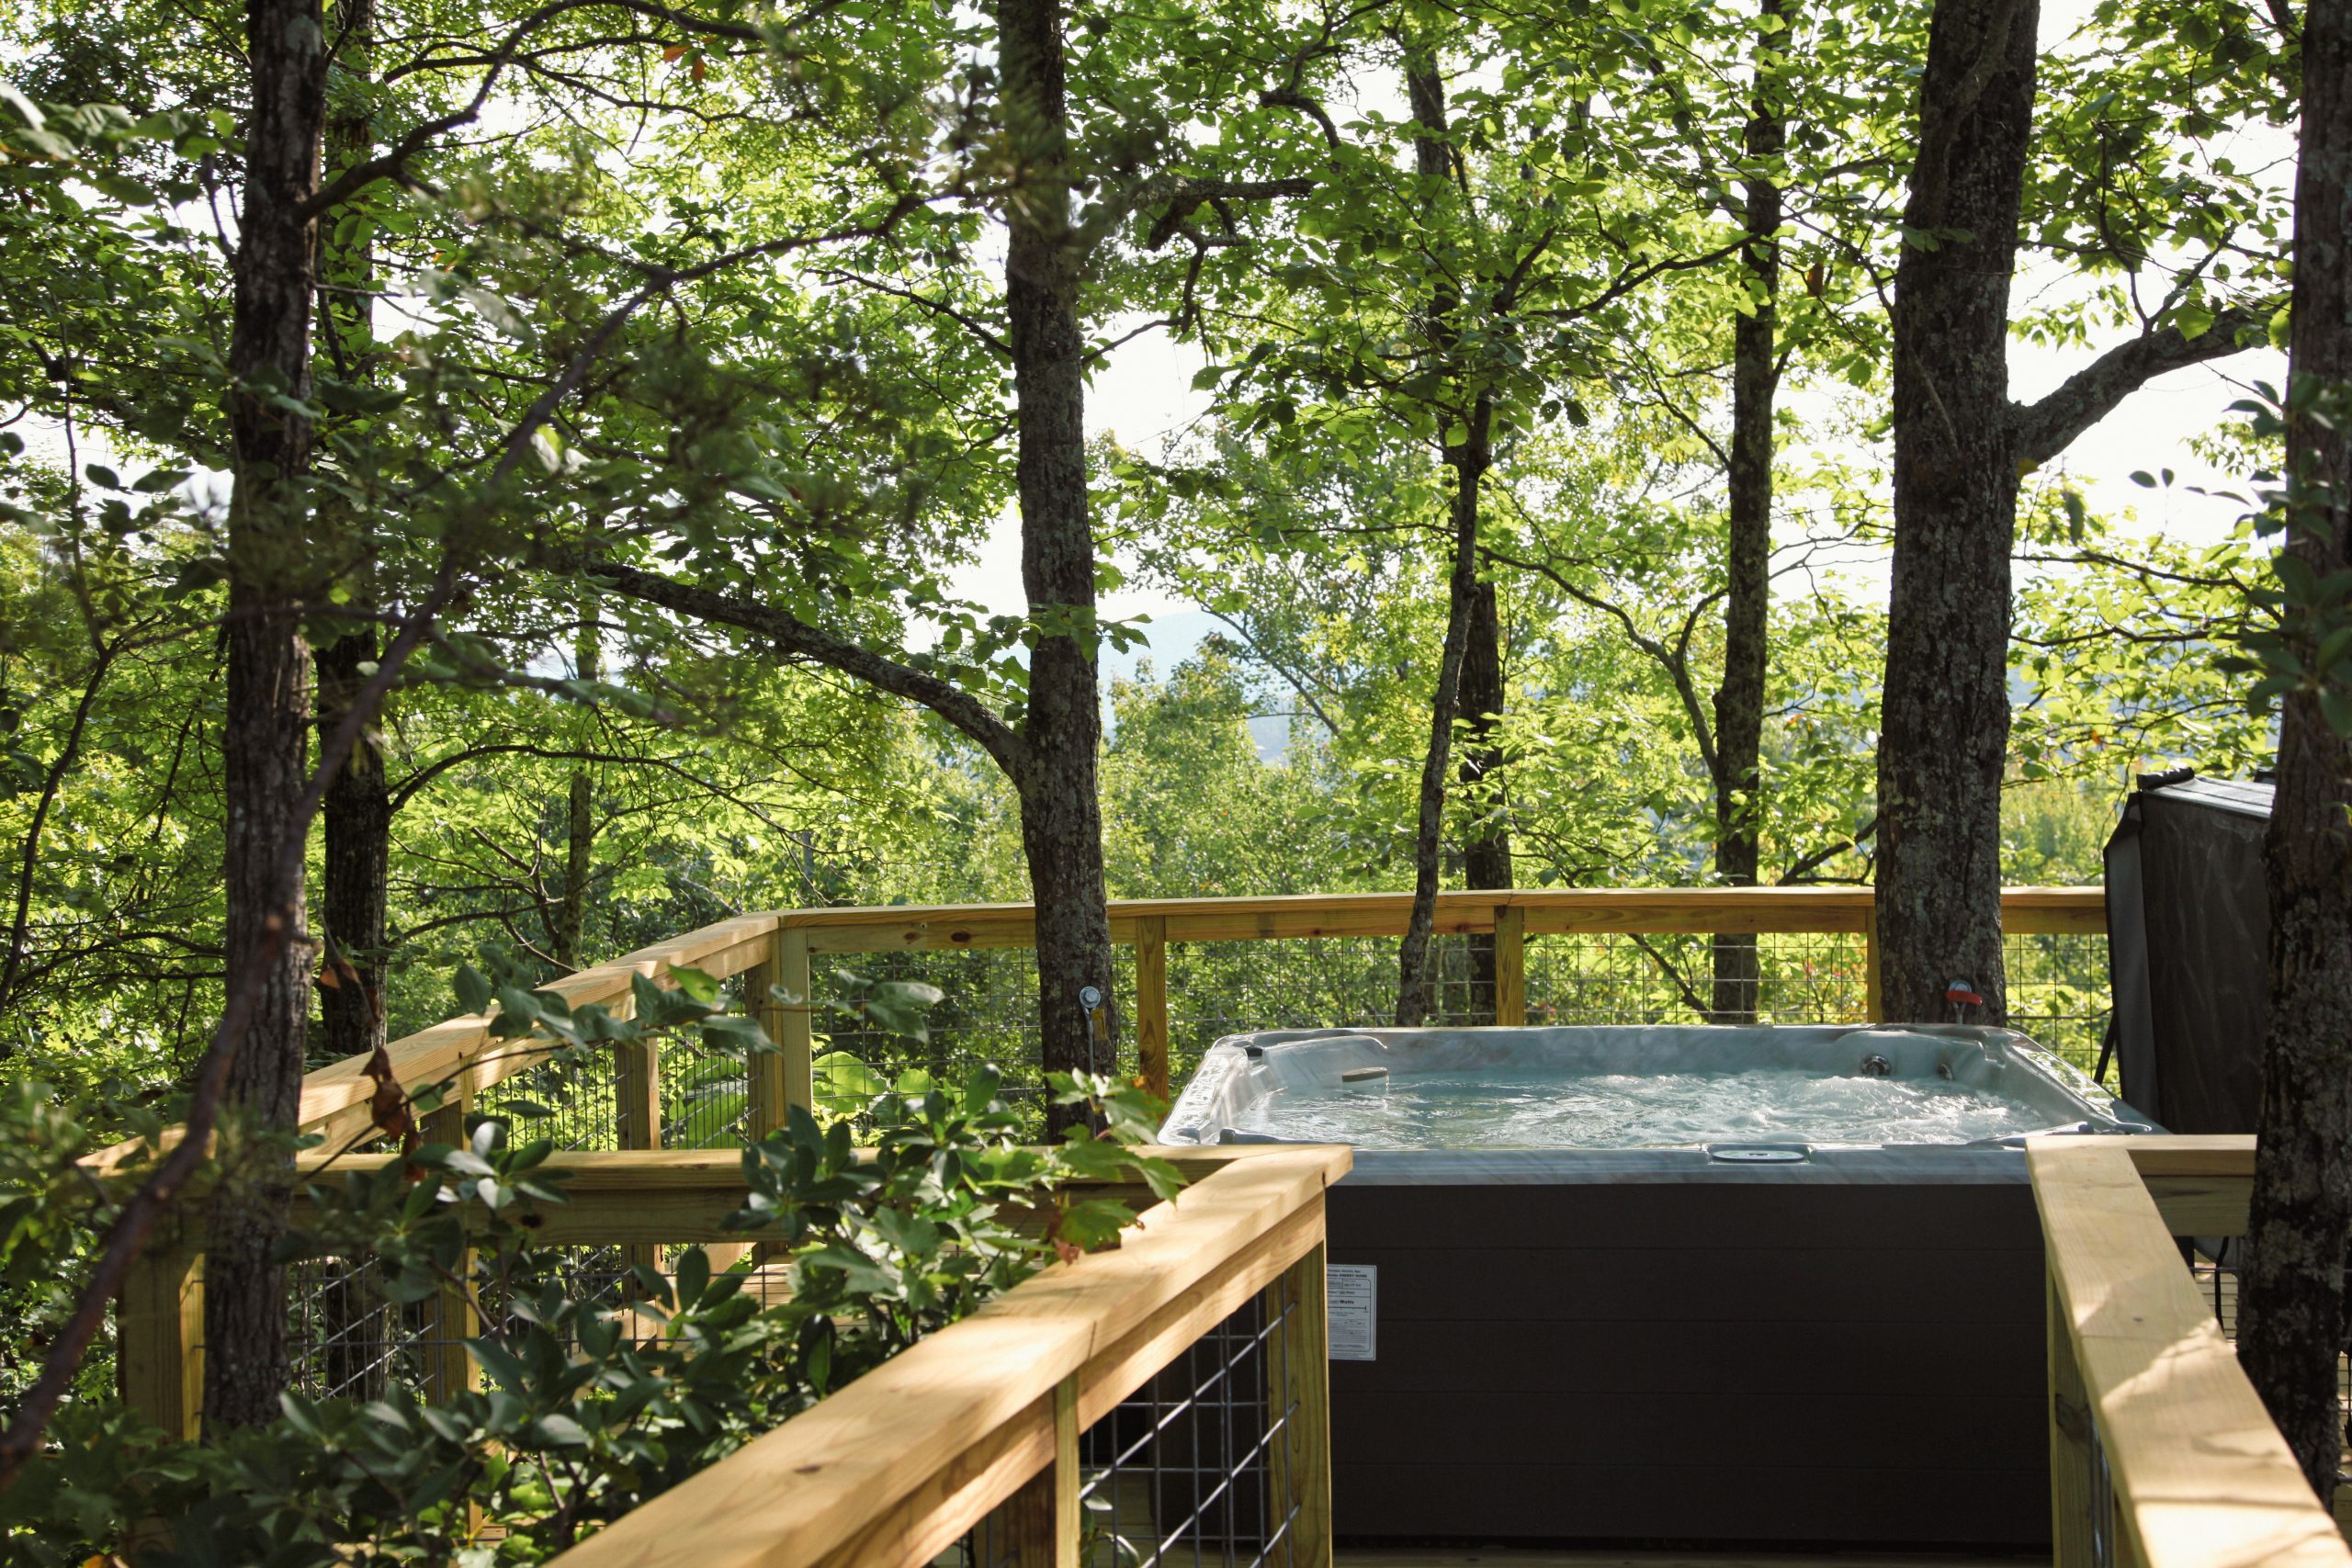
(705, 1093)
(2105, 1548)
(1216, 989)
(1194, 1468)
(1627, 977)
(576, 1103)
(1204, 1465)
(988, 1010)
(346, 1339)
(2058, 992)
(987, 1013)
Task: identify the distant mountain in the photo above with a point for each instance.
(1171, 640)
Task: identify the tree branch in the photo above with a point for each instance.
(1671, 660)
(1633, 277)
(2046, 428)
(1187, 197)
(1292, 99)
(796, 636)
(970, 323)
(1690, 998)
(1803, 869)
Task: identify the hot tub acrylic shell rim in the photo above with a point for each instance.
(1243, 1068)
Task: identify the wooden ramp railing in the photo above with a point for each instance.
(2161, 1453)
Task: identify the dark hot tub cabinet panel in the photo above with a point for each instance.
(1830, 1346)
(2188, 950)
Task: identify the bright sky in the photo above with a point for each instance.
(1144, 395)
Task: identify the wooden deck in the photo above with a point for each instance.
(1513, 1557)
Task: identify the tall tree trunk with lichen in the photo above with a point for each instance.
(1945, 714)
(1485, 850)
(580, 819)
(2291, 1300)
(1748, 578)
(356, 807)
(265, 727)
(1061, 817)
(1469, 459)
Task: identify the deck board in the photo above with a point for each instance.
(1514, 1557)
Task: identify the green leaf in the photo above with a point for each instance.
(693, 1275)
(2335, 706)
(124, 190)
(473, 988)
(1093, 1223)
(693, 982)
(27, 110)
(559, 1430)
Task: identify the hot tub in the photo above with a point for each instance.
(1698, 1285)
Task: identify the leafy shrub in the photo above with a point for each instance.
(593, 1403)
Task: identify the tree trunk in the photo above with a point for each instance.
(1469, 459)
(357, 812)
(1944, 725)
(2291, 1300)
(1061, 817)
(580, 821)
(269, 713)
(1748, 577)
(356, 807)
(1485, 857)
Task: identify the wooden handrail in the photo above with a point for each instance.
(1548, 911)
(774, 948)
(2201, 1183)
(907, 1458)
(2143, 1381)
(635, 1197)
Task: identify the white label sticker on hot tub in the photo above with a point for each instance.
(1354, 1291)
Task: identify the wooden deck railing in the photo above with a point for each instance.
(2161, 1453)
(977, 1428)
(776, 948)
(161, 1315)
(637, 1199)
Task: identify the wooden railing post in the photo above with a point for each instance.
(796, 1023)
(765, 1070)
(1151, 1004)
(1038, 1526)
(1511, 966)
(1874, 1003)
(1299, 1386)
(159, 1323)
(2072, 1523)
(637, 1095)
(638, 1107)
(449, 1370)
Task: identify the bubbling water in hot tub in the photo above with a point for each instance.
(1490, 1107)
(1611, 1089)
